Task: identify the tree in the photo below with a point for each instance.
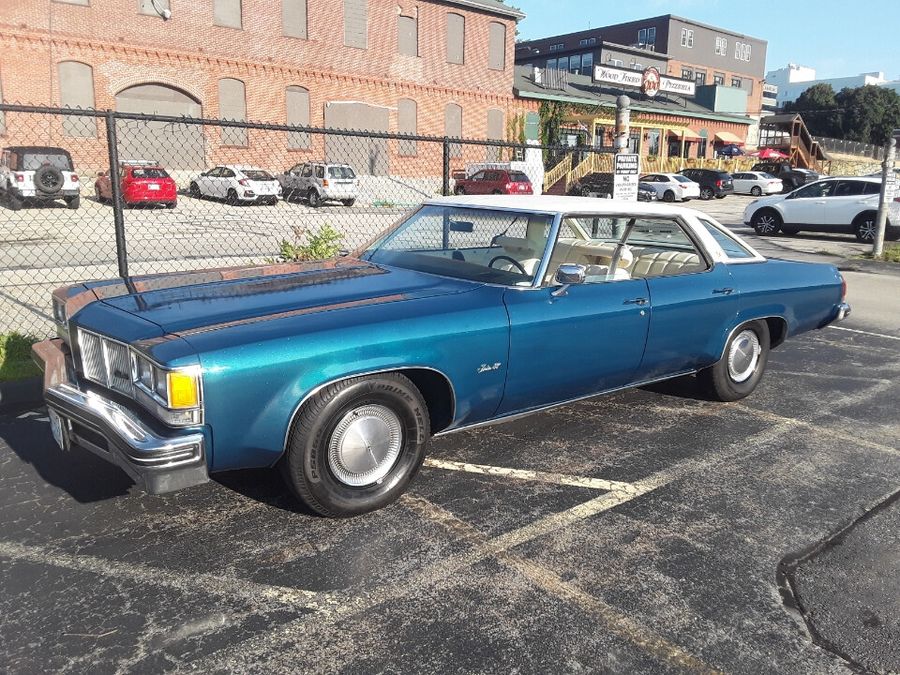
(819, 107)
(870, 113)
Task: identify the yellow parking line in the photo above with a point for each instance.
(539, 476)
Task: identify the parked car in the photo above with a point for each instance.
(141, 182)
(601, 184)
(320, 182)
(712, 183)
(830, 205)
(38, 173)
(756, 183)
(494, 182)
(236, 184)
(672, 186)
(791, 177)
(469, 310)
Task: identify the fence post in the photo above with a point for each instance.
(445, 188)
(116, 187)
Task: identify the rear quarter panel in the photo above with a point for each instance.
(256, 374)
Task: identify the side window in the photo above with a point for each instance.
(226, 173)
(215, 173)
(320, 171)
(848, 188)
(480, 175)
(661, 248)
(815, 191)
(307, 171)
(872, 189)
(732, 248)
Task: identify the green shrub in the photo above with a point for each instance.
(324, 244)
(15, 357)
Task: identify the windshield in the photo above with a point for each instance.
(33, 161)
(256, 174)
(340, 172)
(683, 179)
(149, 173)
(485, 245)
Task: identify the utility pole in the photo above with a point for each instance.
(888, 192)
(623, 123)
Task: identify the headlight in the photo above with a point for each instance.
(173, 395)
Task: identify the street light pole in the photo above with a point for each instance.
(888, 193)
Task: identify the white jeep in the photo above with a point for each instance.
(38, 173)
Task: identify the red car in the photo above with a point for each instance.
(142, 183)
(494, 182)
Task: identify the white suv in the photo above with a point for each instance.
(236, 184)
(319, 182)
(846, 204)
(38, 173)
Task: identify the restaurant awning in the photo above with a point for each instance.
(686, 134)
(728, 137)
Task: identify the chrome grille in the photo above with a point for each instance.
(105, 362)
(92, 361)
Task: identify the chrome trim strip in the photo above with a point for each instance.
(315, 390)
(524, 413)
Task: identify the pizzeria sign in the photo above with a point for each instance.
(639, 79)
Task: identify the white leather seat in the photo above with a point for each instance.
(659, 263)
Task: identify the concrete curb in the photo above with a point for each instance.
(20, 393)
(869, 266)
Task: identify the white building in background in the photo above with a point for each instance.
(794, 80)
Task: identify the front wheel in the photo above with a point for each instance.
(741, 367)
(766, 222)
(355, 446)
(194, 191)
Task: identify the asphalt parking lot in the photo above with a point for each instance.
(647, 531)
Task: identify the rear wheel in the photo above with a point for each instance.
(756, 191)
(232, 197)
(706, 193)
(73, 202)
(742, 365)
(865, 226)
(669, 196)
(171, 205)
(14, 202)
(355, 446)
(314, 199)
(349, 202)
(766, 222)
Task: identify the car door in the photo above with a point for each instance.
(693, 302)
(847, 200)
(741, 183)
(475, 184)
(290, 180)
(586, 340)
(806, 206)
(207, 182)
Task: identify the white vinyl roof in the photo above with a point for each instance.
(564, 204)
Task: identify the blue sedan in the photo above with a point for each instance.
(471, 310)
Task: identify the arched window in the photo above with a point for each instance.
(494, 133)
(233, 106)
(497, 46)
(76, 90)
(453, 127)
(297, 104)
(407, 123)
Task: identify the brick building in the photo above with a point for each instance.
(411, 66)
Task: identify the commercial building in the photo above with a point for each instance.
(412, 66)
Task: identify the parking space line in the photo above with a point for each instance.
(255, 593)
(538, 476)
(865, 332)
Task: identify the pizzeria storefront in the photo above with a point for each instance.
(667, 125)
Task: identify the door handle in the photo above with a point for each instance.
(723, 291)
(636, 301)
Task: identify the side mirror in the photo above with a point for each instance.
(567, 275)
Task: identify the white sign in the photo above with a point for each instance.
(626, 177)
(890, 187)
(634, 78)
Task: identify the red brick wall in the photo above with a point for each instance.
(188, 52)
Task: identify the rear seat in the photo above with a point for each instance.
(655, 262)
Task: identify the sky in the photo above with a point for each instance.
(836, 37)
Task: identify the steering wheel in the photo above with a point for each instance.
(516, 263)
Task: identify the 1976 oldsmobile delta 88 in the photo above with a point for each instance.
(470, 310)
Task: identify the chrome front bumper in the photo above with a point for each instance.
(158, 462)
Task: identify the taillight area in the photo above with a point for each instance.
(324, 182)
(510, 186)
(720, 183)
(843, 288)
(244, 182)
(74, 177)
(20, 177)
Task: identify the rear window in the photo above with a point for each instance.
(149, 173)
(32, 161)
(340, 172)
(518, 177)
(732, 248)
(258, 175)
(872, 189)
(683, 179)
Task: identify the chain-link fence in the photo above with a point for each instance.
(88, 194)
(845, 147)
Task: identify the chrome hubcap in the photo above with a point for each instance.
(365, 445)
(743, 356)
(766, 224)
(867, 229)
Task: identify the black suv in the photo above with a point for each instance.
(791, 178)
(713, 183)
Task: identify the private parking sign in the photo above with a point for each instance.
(626, 177)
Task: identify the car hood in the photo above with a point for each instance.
(186, 303)
(767, 201)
